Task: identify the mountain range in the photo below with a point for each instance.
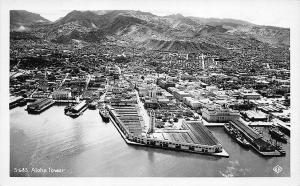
(144, 29)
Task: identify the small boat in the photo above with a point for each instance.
(23, 103)
(67, 108)
(104, 114)
(243, 142)
(234, 133)
(229, 130)
(277, 135)
(281, 150)
(93, 105)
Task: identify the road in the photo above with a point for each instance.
(62, 82)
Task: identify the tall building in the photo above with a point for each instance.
(202, 61)
(152, 122)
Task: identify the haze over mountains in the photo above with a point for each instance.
(144, 29)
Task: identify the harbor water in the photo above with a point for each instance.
(53, 144)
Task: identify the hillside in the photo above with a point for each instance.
(143, 29)
(20, 20)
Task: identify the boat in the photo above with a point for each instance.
(282, 126)
(281, 150)
(277, 135)
(67, 108)
(93, 105)
(104, 114)
(284, 129)
(243, 142)
(228, 129)
(23, 103)
(236, 135)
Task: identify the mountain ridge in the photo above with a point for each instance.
(23, 18)
(138, 28)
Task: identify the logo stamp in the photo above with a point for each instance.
(278, 169)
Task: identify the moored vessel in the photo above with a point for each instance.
(93, 105)
(234, 133)
(104, 113)
(277, 135)
(68, 107)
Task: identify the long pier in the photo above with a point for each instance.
(190, 141)
(220, 154)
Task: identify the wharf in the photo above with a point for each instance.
(252, 124)
(66, 101)
(38, 111)
(256, 140)
(220, 154)
(271, 154)
(260, 124)
(77, 110)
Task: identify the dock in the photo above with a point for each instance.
(78, 109)
(196, 138)
(40, 105)
(219, 154)
(257, 142)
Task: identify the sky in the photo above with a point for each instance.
(263, 12)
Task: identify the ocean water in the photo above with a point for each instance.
(52, 144)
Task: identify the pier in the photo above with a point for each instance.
(256, 140)
(40, 105)
(196, 138)
(219, 154)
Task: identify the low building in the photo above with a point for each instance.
(61, 94)
(194, 104)
(181, 94)
(165, 84)
(167, 95)
(254, 115)
(250, 95)
(218, 114)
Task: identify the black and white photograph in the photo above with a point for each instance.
(168, 89)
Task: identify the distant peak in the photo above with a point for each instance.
(176, 15)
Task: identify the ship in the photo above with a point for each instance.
(23, 103)
(281, 150)
(277, 135)
(68, 108)
(104, 114)
(236, 135)
(93, 105)
(242, 141)
(283, 127)
(76, 110)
